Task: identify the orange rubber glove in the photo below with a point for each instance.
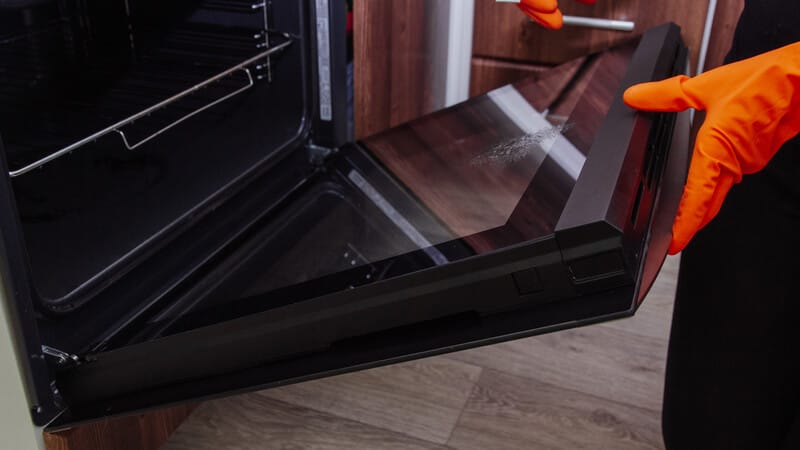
(546, 12)
(752, 108)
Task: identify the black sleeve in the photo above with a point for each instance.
(765, 25)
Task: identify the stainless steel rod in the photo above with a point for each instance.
(129, 146)
(602, 24)
(115, 127)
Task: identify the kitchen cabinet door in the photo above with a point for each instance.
(501, 32)
(507, 46)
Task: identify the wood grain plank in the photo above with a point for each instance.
(487, 74)
(655, 315)
(256, 422)
(726, 18)
(146, 431)
(422, 399)
(409, 89)
(372, 63)
(508, 412)
(600, 361)
(502, 32)
(394, 62)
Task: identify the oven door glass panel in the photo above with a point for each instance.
(486, 175)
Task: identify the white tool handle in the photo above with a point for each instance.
(591, 22)
(603, 24)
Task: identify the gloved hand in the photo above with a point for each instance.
(752, 109)
(545, 12)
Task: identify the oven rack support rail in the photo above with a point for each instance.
(117, 127)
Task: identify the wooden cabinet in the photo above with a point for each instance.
(148, 431)
(505, 38)
(392, 62)
(502, 32)
(395, 67)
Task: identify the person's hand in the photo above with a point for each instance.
(545, 12)
(752, 109)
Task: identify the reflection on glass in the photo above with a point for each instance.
(492, 172)
(505, 163)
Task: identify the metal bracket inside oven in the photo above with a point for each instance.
(60, 357)
(117, 127)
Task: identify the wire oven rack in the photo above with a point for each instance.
(234, 5)
(200, 48)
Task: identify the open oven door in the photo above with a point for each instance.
(539, 206)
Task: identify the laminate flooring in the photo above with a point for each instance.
(597, 387)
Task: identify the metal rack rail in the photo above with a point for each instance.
(118, 127)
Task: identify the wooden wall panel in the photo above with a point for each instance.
(487, 74)
(502, 32)
(392, 63)
(725, 20)
(147, 431)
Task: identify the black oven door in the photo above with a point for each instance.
(542, 205)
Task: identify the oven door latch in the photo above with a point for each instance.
(59, 357)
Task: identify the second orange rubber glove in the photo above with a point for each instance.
(546, 12)
(752, 108)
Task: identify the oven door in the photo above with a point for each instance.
(540, 206)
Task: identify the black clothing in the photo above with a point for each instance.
(733, 370)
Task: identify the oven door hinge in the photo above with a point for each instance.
(318, 154)
(60, 358)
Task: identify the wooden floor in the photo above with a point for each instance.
(598, 387)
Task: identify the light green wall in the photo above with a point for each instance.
(17, 431)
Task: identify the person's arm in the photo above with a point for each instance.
(544, 12)
(752, 108)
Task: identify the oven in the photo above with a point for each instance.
(184, 218)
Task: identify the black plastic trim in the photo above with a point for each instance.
(21, 309)
(597, 216)
(332, 134)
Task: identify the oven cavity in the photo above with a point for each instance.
(123, 121)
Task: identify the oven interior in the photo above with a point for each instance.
(156, 148)
(125, 121)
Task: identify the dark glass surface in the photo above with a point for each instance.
(490, 173)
